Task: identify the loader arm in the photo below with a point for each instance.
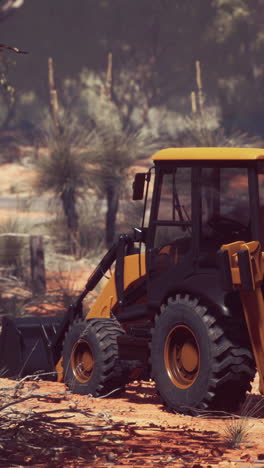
(129, 267)
(242, 266)
(37, 342)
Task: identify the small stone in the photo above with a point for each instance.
(216, 452)
(226, 464)
(245, 456)
(73, 406)
(111, 456)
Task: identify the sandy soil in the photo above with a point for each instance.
(16, 179)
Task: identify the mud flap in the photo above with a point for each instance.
(25, 346)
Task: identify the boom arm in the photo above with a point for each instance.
(122, 247)
(242, 266)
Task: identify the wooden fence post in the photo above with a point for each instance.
(37, 265)
(54, 102)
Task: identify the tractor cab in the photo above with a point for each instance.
(204, 245)
(202, 198)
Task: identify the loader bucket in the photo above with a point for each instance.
(25, 346)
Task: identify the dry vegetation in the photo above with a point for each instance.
(34, 436)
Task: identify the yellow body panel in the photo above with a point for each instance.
(252, 301)
(210, 154)
(59, 370)
(108, 297)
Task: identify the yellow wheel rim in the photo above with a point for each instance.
(182, 356)
(82, 361)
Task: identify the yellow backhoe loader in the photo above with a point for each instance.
(184, 305)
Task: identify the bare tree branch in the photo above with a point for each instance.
(14, 49)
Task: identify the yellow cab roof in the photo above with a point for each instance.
(212, 154)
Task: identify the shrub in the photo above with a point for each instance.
(64, 170)
(200, 131)
(236, 432)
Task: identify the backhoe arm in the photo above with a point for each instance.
(242, 266)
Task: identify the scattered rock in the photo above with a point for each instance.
(226, 464)
(72, 406)
(216, 452)
(245, 456)
(111, 456)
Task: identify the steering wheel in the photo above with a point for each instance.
(228, 229)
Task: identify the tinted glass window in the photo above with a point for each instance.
(175, 210)
(225, 204)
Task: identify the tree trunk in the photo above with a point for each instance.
(112, 198)
(68, 198)
(38, 274)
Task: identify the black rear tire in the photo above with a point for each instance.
(90, 357)
(197, 361)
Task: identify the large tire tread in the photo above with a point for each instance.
(233, 364)
(111, 374)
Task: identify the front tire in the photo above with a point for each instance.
(197, 361)
(90, 357)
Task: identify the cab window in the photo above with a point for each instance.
(173, 224)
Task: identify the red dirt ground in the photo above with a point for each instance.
(128, 431)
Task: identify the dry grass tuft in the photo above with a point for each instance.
(237, 429)
(236, 432)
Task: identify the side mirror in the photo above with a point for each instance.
(138, 186)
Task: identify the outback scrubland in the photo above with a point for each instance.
(103, 86)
